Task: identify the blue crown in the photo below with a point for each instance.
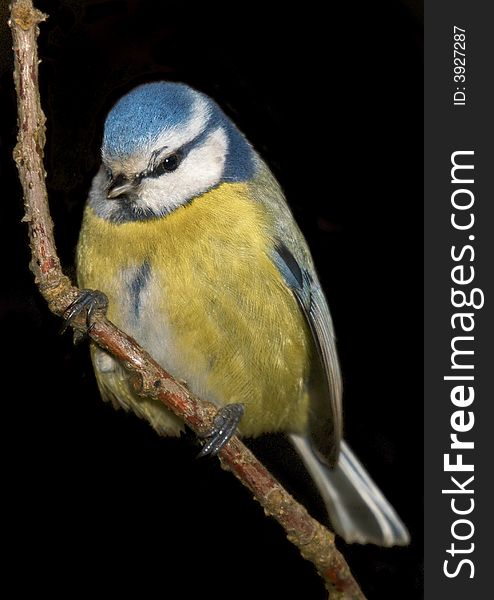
(142, 114)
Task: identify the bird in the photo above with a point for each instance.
(188, 235)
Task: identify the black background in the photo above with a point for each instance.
(96, 502)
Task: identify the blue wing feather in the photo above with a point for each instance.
(312, 302)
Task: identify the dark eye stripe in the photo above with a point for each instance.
(169, 164)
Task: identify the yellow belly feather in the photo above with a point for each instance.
(236, 331)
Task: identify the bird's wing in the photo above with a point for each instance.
(292, 258)
(325, 388)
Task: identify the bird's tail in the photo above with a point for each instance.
(357, 509)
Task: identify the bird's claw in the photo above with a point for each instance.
(89, 301)
(224, 425)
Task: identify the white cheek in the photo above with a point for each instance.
(200, 170)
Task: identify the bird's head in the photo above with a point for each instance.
(163, 145)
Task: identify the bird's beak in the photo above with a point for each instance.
(119, 186)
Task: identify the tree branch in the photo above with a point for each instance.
(314, 541)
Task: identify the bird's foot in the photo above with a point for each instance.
(224, 425)
(89, 301)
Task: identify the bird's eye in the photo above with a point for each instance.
(167, 165)
(171, 162)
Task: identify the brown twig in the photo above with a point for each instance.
(314, 541)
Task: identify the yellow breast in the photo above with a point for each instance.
(213, 310)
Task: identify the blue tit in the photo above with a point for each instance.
(189, 235)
